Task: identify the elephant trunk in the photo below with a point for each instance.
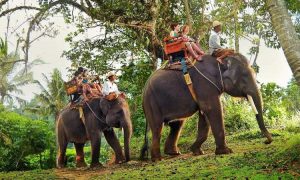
(257, 106)
(127, 127)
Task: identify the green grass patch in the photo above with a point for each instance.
(251, 159)
(34, 174)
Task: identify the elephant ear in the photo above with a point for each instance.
(232, 71)
(104, 105)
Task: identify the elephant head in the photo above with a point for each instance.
(239, 81)
(118, 115)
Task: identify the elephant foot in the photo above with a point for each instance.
(196, 150)
(224, 150)
(96, 165)
(81, 164)
(156, 159)
(60, 166)
(268, 141)
(120, 161)
(61, 162)
(173, 153)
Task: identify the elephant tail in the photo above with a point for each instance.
(145, 147)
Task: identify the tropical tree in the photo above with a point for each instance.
(53, 97)
(292, 97)
(132, 81)
(12, 77)
(286, 33)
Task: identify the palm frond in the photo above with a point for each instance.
(46, 78)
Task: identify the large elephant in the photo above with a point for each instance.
(100, 116)
(167, 100)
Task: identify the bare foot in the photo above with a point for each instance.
(219, 60)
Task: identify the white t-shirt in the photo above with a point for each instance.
(214, 42)
(109, 87)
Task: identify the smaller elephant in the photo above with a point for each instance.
(100, 115)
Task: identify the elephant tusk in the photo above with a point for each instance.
(252, 104)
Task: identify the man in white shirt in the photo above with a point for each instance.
(215, 48)
(214, 38)
(110, 89)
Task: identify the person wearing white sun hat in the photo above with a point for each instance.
(110, 89)
(215, 48)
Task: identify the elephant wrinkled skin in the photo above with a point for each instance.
(70, 128)
(167, 100)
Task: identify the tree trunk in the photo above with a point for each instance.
(236, 34)
(283, 26)
(2, 98)
(188, 15)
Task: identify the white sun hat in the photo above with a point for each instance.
(216, 23)
(110, 74)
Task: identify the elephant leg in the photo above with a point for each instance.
(203, 129)
(171, 142)
(62, 159)
(95, 145)
(156, 135)
(215, 117)
(113, 141)
(80, 162)
(62, 143)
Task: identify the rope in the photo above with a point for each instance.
(208, 78)
(221, 77)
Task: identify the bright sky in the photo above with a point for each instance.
(272, 62)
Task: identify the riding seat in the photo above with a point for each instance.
(74, 91)
(176, 52)
(175, 48)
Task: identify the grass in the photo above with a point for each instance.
(34, 174)
(252, 159)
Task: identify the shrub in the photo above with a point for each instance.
(22, 138)
(238, 114)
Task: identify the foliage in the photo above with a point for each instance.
(132, 81)
(291, 100)
(238, 115)
(20, 138)
(12, 77)
(52, 99)
(273, 111)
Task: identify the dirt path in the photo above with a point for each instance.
(87, 173)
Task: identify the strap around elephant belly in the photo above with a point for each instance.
(81, 115)
(189, 83)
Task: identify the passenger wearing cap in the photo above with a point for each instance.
(110, 89)
(215, 48)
